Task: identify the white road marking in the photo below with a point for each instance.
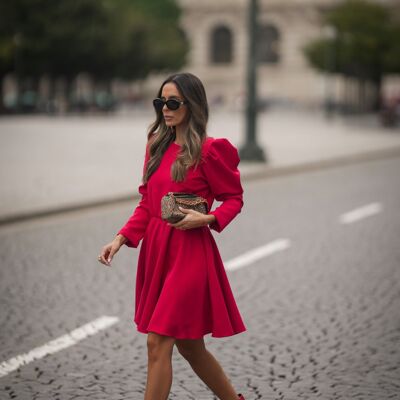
(360, 213)
(58, 344)
(253, 255)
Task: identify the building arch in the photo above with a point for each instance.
(221, 46)
(268, 44)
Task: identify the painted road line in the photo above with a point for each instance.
(58, 344)
(260, 252)
(360, 213)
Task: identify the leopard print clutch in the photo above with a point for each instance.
(171, 201)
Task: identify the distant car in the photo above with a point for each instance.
(105, 101)
(25, 102)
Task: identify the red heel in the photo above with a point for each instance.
(241, 396)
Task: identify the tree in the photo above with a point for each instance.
(366, 46)
(146, 37)
(105, 38)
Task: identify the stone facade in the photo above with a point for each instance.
(289, 78)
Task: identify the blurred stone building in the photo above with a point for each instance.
(217, 33)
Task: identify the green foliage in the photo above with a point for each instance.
(147, 37)
(107, 38)
(366, 45)
(392, 57)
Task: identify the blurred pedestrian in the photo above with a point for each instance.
(182, 290)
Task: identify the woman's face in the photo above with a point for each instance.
(173, 117)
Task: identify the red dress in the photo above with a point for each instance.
(182, 289)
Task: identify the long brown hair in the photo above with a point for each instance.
(160, 135)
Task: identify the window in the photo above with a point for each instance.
(268, 44)
(221, 45)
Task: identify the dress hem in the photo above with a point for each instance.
(164, 333)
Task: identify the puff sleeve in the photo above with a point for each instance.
(136, 225)
(221, 170)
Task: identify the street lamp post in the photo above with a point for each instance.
(330, 35)
(251, 151)
(17, 70)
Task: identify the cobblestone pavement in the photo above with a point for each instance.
(322, 316)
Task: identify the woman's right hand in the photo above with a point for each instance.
(108, 251)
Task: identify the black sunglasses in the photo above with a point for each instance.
(172, 104)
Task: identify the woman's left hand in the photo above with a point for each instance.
(192, 219)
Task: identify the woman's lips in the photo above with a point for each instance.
(168, 117)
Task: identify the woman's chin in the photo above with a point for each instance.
(169, 123)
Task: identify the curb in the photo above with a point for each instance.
(262, 172)
(268, 172)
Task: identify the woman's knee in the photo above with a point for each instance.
(159, 346)
(191, 349)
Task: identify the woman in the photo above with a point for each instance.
(182, 291)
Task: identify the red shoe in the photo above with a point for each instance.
(241, 396)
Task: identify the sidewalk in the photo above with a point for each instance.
(53, 164)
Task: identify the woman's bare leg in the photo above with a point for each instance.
(205, 365)
(159, 366)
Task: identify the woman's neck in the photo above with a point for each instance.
(179, 134)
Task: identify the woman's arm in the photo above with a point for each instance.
(221, 171)
(134, 229)
(209, 218)
(120, 239)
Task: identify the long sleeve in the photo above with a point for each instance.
(222, 173)
(136, 225)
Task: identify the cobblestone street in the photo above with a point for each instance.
(322, 315)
